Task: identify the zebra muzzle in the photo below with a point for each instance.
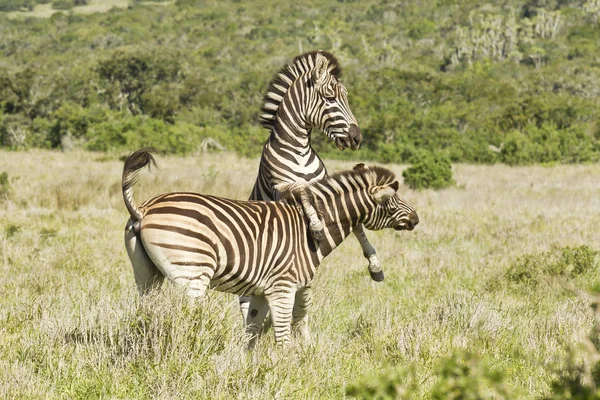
(354, 136)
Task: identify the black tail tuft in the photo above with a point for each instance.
(136, 161)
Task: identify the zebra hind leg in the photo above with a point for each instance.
(281, 304)
(258, 309)
(375, 269)
(244, 306)
(302, 303)
(145, 272)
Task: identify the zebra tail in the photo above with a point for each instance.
(134, 163)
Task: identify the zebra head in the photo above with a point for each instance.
(329, 109)
(389, 210)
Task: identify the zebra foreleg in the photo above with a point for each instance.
(302, 303)
(315, 225)
(370, 254)
(258, 309)
(281, 304)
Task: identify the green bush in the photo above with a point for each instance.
(5, 188)
(461, 376)
(466, 376)
(62, 4)
(393, 383)
(530, 269)
(547, 144)
(429, 170)
(569, 384)
(12, 5)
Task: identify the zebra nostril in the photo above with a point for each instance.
(355, 136)
(413, 218)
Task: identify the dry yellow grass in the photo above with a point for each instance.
(71, 323)
(93, 6)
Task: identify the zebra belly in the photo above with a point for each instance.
(251, 270)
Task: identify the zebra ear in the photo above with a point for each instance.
(382, 193)
(320, 70)
(359, 167)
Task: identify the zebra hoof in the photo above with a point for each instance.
(377, 276)
(318, 235)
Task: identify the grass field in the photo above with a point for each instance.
(72, 325)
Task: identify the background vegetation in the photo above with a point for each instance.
(482, 82)
(478, 302)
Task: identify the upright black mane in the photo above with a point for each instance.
(372, 175)
(286, 76)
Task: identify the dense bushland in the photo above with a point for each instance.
(512, 82)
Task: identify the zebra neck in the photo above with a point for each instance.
(291, 136)
(338, 221)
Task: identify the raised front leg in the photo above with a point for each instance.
(281, 303)
(257, 311)
(315, 225)
(302, 303)
(370, 254)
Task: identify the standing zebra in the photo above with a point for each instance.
(257, 248)
(304, 94)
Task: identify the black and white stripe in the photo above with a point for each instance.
(306, 94)
(263, 249)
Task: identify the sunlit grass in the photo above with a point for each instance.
(93, 6)
(72, 325)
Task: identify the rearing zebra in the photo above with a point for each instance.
(255, 248)
(304, 94)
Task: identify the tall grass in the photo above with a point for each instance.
(72, 324)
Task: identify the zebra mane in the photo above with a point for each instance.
(371, 175)
(286, 76)
(365, 176)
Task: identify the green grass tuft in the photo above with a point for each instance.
(530, 269)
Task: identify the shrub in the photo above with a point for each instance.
(388, 385)
(11, 230)
(460, 376)
(14, 130)
(11, 5)
(529, 269)
(62, 4)
(465, 376)
(5, 188)
(429, 170)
